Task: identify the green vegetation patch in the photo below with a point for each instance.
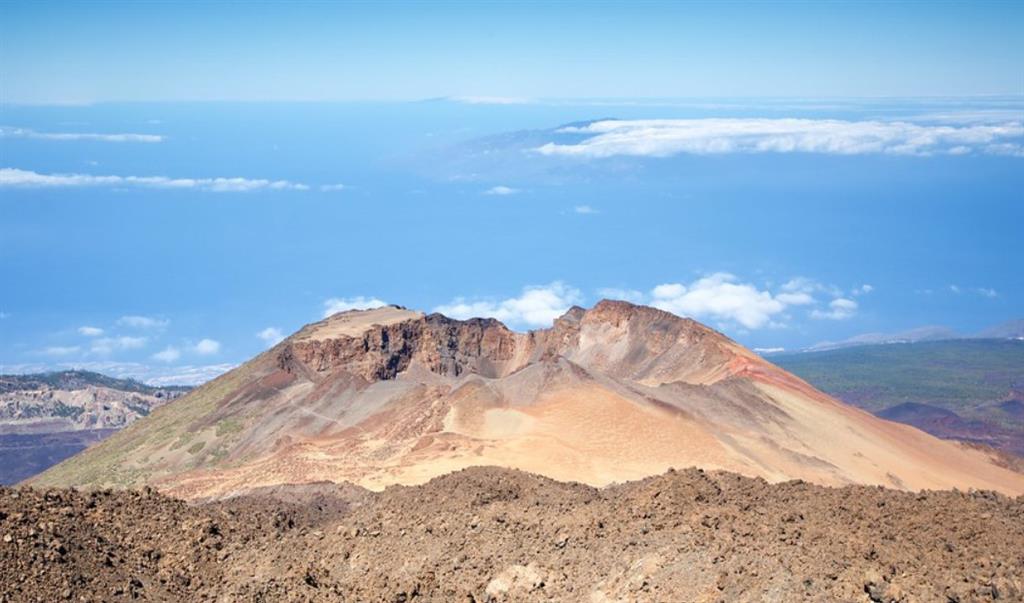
(228, 426)
(70, 412)
(957, 375)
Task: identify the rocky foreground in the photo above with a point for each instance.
(487, 534)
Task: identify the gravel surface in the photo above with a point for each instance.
(488, 534)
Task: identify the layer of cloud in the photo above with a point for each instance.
(982, 291)
(207, 347)
(719, 296)
(168, 354)
(344, 304)
(142, 322)
(159, 375)
(838, 309)
(86, 136)
(17, 178)
(60, 350)
(183, 375)
(501, 190)
(797, 298)
(723, 298)
(584, 209)
(109, 345)
(330, 188)
(536, 306)
(491, 100)
(667, 137)
(271, 335)
(90, 331)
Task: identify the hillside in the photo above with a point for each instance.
(45, 418)
(614, 393)
(971, 389)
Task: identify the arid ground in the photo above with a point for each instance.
(489, 534)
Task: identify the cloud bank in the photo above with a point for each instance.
(108, 345)
(838, 309)
(668, 137)
(88, 136)
(168, 354)
(17, 178)
(490, 100)
(536, 306)
(142, 322)
(721, 297)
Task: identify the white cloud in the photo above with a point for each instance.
(667, 137)
(90, 331)
(330, 188)
(207, 347)
(183, 375)
(862, 290)
(800, 298)
(344, 304)
(630, 295)
(271, 335)
(491, 100)
(954, 289)
(108, 345)
(168, 354)
(668, 291)
(987, 292)
(838, 309)
(61, 350)
(501, 190)
(13, 177)
(722, 298)
(719, 296)
(142, 322)
(27, 133)
(584, 209)
(802, 284)
(769, 350)
(537, 306)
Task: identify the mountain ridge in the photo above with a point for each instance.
(607, 394)
(1011, 329)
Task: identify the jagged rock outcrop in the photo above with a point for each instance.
(613, 393)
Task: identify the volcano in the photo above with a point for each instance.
(609, 394)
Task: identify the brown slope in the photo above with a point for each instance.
(614, 393)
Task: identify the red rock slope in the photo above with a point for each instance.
(614, 393)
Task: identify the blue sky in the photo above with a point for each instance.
(787, 173)
(169, 51)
